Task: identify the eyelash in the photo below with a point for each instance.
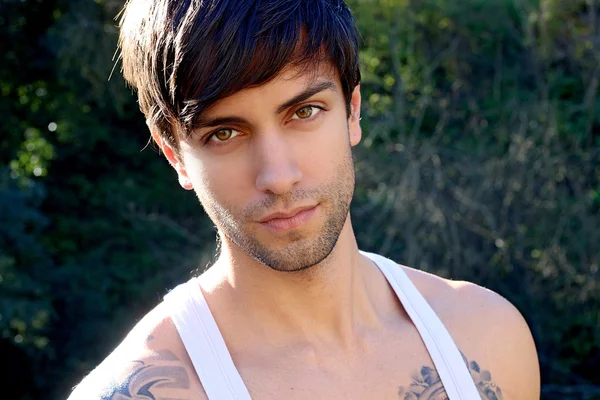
(311, 118)
(208, 137)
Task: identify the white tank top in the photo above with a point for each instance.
(221, 380)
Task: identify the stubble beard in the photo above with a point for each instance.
(300, 251)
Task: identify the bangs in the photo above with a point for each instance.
(204, 51)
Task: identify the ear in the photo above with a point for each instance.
(174, 160)
(354, 119)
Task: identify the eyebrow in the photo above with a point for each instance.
(310, 91)
(306, 94)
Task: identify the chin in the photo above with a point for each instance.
(299, 255)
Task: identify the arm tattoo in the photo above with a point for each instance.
(428, 386)
(147, 376)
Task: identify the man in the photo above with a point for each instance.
(256, 105)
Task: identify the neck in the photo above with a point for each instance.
(331, 302)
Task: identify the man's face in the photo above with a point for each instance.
(272, 167)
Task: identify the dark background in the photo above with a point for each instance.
(480, 161)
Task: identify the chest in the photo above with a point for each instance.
(391, 368)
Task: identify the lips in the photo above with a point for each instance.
(285, 214)
(285, 221)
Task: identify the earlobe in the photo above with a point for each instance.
(174, 160)
(185, 182)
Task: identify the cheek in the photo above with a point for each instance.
(215, 181)
(326, 148)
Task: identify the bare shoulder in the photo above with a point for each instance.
(463, 301)
(490, 332)
(150, 363)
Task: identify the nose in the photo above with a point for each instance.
(278, 169)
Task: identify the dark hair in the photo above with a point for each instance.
(182, 56)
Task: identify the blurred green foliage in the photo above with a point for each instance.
(480, 161)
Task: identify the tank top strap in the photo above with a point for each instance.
(449, 363)
(204, 343)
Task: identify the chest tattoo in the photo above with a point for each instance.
(427, 385)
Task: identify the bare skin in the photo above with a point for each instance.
(333, 329)
(390, 362)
